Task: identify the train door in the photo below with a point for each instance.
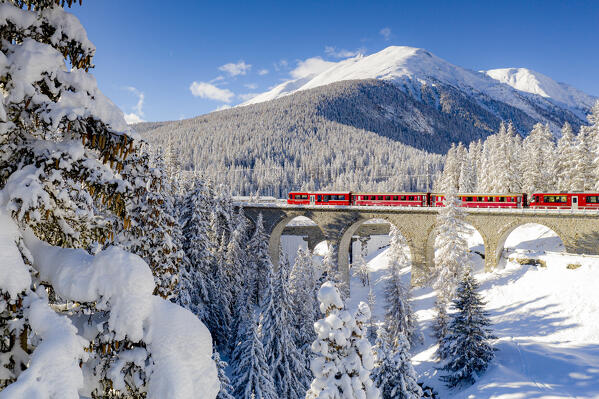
(575, 202)
(312, 199)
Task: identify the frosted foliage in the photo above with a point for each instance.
(344, 357)
(451, 248)
(399, 317)
(121, 283)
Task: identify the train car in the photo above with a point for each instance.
(481, 200)
(319, 198)
(564, 201)
(390, 199)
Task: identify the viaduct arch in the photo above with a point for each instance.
(578, 230)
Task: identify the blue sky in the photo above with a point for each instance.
(150, 53)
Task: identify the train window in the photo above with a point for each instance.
(387, 197)
(490, 199)
(305, 196)
(593, 199)
(410, 198)
(479, 199)
(325, 198)
(403, 197)
(467, 198)
(395, 198)
(501, 199)
(319, 198)
(380, 197)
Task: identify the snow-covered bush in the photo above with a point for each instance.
(344, 357)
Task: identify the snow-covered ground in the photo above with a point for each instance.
(546, 319)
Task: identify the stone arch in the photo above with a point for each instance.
(432, 234)
(505, 232)
(348, 233)
(274, 241)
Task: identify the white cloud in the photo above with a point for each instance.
(263, 72)
(222, 107)
(342, 53)
(137, 115)
(133, 118)
(311, 66)
(241, 68)
(247, 96)
(251, 86)
(207, 90)
(386, 33)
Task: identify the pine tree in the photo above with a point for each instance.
(469, 351)
(343, 359)
(451, 255)
(195, 280)
(537, 165)
(583, 171)
(302, 288)
(593, 132)
(251, 377)
(451, 247)
(225, 383)
(565, 160)
(399, 317)
(285, 362)
(394, 375)
(259, 262)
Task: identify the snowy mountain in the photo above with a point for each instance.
(411, 68)
(528, 81)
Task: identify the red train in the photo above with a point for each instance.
(469, 200)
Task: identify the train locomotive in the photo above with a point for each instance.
(578, 200)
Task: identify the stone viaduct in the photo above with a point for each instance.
(578, 229)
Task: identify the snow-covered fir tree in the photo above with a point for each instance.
(394, 374)
(259, 262)
(362, 270)
(303, 290)
(195, 278)
(593, 132)
(226, 389)
(468, 349)
(344, 356)
(251, 375)
(537, 164)
(399, 317)
(75, 308)
(284, 360)
(565, 160)
(451, 253)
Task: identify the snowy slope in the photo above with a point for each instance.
(536, 83)
(410, 67)
(546, 320)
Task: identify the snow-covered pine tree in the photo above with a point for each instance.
(451, 250)
(343, 359)
(302, 288)
(469, 351)
(440, 326)
(451, 170)
(565, 159)
(226, 389)
(195, 278)
(475, 150)
(284, 360)
(70, 170)
(259, 262)
(537, 165)
(583, 170)
(329, 265)
(451, 247)
(467, 181)
(514, 153)
(484, 170)
(393, 373)
(399, 317)
(251, 376)
(153, 230)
